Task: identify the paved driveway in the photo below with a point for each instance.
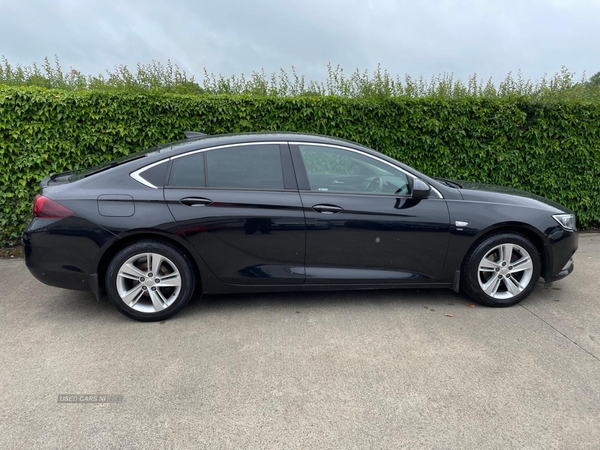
(386, 369)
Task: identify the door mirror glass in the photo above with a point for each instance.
(420, 190)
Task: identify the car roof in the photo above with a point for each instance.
(175, 148)
(171, 149)
(202, 142)
(226, 139)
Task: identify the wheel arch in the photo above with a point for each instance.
(527, 231)
(138, 235)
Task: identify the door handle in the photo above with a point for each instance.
(195, 201)
(327, 209)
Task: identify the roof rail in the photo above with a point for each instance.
(194, 134)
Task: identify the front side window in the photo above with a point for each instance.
(332, 169)
(245, 166)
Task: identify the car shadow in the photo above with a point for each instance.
(76, 305)
(323, 299)
(402, 298)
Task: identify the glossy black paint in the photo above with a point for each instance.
(388, 239)
(287, 239)
(245, 237)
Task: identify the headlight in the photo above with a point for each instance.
(567, 221)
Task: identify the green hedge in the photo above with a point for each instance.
(549, 148)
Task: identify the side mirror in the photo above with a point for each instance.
(420, 189)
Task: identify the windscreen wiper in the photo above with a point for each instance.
(449, 183)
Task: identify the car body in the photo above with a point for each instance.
(266, 212)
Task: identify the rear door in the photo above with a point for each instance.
(239, 206)
(362, 225)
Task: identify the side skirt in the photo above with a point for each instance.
(241, 289)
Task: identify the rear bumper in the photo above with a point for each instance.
(63, 253)
(68, 280)
(61, 279)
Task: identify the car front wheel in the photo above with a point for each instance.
(502, 270)
(149, 280)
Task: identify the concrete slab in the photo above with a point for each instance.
(383, 369)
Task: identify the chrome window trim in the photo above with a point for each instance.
(136, 175)
(408, 174)
(434, 189)
(226, 146)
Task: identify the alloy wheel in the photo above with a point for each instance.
(148, 282)
(505, 271)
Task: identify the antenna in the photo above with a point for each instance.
(194, 134)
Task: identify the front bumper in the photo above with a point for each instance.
(559, 250)
(565, 271)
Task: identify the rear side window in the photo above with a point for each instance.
(245, 166)
(188, 171)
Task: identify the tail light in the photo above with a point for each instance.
(45, 208)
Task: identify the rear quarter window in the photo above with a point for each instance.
(155, 175)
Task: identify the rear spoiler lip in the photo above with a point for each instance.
(46, 181)
(60, 174)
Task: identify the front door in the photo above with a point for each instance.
(362, 226)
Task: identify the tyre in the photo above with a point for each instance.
(502, 270)
(150, 280)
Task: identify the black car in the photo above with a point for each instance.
(282, 212)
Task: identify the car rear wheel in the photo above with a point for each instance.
(502, 270)
(150, 280)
